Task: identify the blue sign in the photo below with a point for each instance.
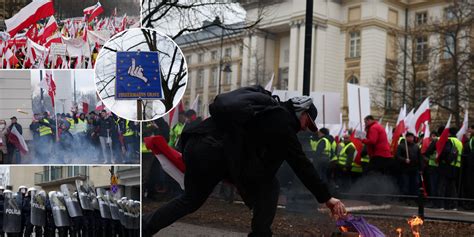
(138, 76)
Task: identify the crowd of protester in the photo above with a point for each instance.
(93, 138)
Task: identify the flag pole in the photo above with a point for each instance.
(324, 111)
(139, 109)
(360, 109)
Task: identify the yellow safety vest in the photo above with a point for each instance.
(128, 131)
(71, 122)
(342, 157)
(44, 130)
(81, 125)
(144, 149)
(458, 145)
(327, 148)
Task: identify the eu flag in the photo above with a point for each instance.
(138, 76)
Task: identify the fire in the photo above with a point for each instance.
(344, 229)
(415, 225)
(399, 231)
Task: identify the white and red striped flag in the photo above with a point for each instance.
(399, 129)
(463, 130)
(49, 29)
(49, 85)
(421, 116)
(29, 15)
(171, 160)
(173, 115)
(15, 138)
(426, 138)
(98, 9)
(443, 138)
(11, 58)
(194, 105)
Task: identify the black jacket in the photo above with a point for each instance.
(414, 155)
(255, 151)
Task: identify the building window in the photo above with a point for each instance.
(200, 78)
(391, 47)
(449, 13)
(283, 78)
(421, 91)
(388, 95)
(214, 55)
(200, 58)
(354, 45)
(421, 49)
(228, 52)
(449, 91)
(354, 14)
(353, 80)
(228, 78)
(214, 76)
(449, 43)
(421, 18)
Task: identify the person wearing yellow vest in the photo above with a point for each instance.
(409, 159)
(129, 132)
(343, 164)
(449, 166)
(176, 131)
(468, 177)
(46, 137)
(324, 152)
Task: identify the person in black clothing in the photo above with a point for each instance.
(2, 200)
(409, 158)
(105, 124)
(448, 173)
(468, 169)
(248, 155)
(13, 152)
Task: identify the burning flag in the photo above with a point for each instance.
(360, 225)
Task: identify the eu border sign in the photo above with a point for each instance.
(138, 76)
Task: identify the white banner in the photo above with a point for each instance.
(358, 100)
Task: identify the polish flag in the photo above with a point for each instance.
(98, 9)
(89, 10)
(421, 116)
(463, 130)
(194, 105)
(49, 29)
(170, 159)
(269, 85)
(55, 38)
(443, 138)
(426, 138)
(29, 15)
(85, 107)
(15, 138)
(49, 85)
(123, 24)
(173, 116)
(11, 58)
(100, 106)
(399, 129)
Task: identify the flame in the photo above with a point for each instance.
(415, 224)
(344, 229)
(399, 231)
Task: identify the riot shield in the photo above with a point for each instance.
(114, 212)
(83, 195)
(103, 204)
(121, 208)
(58, 207)
(70, 197)
(128, 214)
(136, 215)
(12, 213)
(93, 196)
(38, 208)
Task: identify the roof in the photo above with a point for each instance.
(211, 32)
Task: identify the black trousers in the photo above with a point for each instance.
(205, 168)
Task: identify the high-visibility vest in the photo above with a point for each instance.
(342, 157)
(144, 149)
(81, 125)
(327, 148)
(175, 134)
(458, 145)
(432, 160)
(471, 144)
(44, 130)
(71, 122)
(128, 131)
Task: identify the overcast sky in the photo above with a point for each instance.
(84, 80)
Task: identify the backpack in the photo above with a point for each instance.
(241, 105)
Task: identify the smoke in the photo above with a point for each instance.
(375, 184)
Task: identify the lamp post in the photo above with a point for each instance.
(217, 21)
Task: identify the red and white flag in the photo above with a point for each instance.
(99, 106)
(171, 160)
(89, 10)
(426, 139)
(85, 107)
(359, 146)
(194, 105)
(48, 84)
(463, 130)
(399, 130)
(11, 58)
(29, 15)
(269, 85)
(55, 38)
(49, 29)
(443, 138)
(98, 9)
(15, 138)
(173, 115)
(421, 116)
